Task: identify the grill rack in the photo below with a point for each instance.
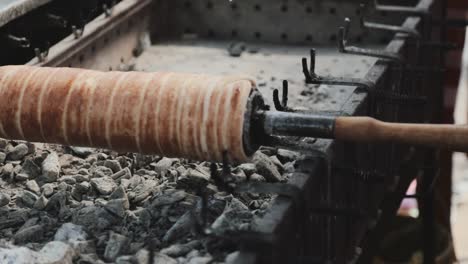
(330, 201)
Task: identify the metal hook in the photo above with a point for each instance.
(312, 78)
(283, 105)
(343, 48)
(42, 55)
(77, 32)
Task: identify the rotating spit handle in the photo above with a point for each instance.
(366, 129)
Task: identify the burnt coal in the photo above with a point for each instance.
(99, 206)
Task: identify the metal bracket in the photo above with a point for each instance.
(312, 78)
(344, 48)
(413, 33)
(406, 10)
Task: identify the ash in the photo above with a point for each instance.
(80, 205)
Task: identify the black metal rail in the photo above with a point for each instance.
(349, 193)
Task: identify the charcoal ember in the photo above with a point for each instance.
(116, 245)
(82, 151)
(21, 177)
(232, 257)
(56, 252)
(254, 204)
(83, 171)
(178, 250)
(238, 175)
(289, 167)
(18, 255)
(69, 232)
(30, 168)
(118, 202)
(104, 185)
(266, 167)
(83, 187)
(33, 186)
(269, 151)
(91, 258)
(58, 202)
(68, 179)
(180, 228)
(63, 186)
(50, 168)
(26, 198)
(277, 163)
(142, 257)
(200, 260)
(257, 178)
(91, 159)
(48, 189)
(3, 143)
(248, 168)
(41, 203)
(81, 178)
(18, 152)
(101, 171)
(148, 173)
(95, 218)
(124, 260)
(139, 219)
(163, 164)
(194, 178)
(14, 218)
(122, 174)
(66, 161)
(102, 156)
(31, 147)
(2, 157)
(7, 171)
(143, 190)
(168, 198)
(124, 161)
(33, 233)
(287, 155)
(114, 165)
(235, 216)
(4, 199)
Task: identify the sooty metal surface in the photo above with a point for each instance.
(11, 9)
(268, 64)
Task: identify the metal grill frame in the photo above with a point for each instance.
(345, 205)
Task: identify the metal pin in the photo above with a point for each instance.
(41, 55)
(108, 10)
(283, 105)
(77, 32)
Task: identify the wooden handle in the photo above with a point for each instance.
(366, 129)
